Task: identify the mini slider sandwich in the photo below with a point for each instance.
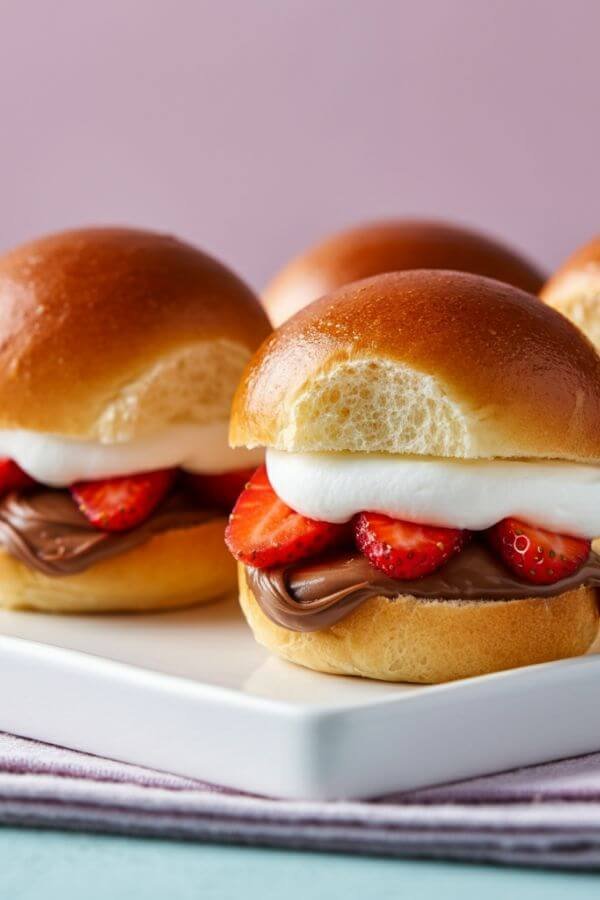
(432, 481)
(120, 351)
(575, 290)
(393, 246)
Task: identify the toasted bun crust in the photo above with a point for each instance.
(424, 362)
(111, 333)
(433, 641)
(181, 567)
(575, 290)
(379, 247)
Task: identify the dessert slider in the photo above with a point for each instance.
(393, 246)
(120, 351)
(575, 290)
(431, 486)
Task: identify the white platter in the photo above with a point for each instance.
(190, 692)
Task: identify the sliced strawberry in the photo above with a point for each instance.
(220, 490)
(12, 477)
(536, 555)
(117, 504)
(263, 531)
(405, 550)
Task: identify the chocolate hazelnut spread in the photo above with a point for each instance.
(313, 595)
(45, 530)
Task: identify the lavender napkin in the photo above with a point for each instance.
(541, 815)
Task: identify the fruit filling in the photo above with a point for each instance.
(264, 532)
(536, 555)
(404, 550)
(119, 504)
(124, 502)
(12, 477)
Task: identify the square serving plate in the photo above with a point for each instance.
(190, 692)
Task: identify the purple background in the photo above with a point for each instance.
(254, 127)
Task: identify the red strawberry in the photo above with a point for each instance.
(220, 490)
(263, 531)
(405, 550)
(536, 555)
(12, 477)
(117, 504)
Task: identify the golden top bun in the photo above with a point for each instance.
(575, 290)
(424, 362)
(393, 246)
(111, 333)
(430, 641)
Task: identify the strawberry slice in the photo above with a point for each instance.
(263, 531)
(536, 555)
(405, 550)
(118, 504)
(12, 477)
(220, 490)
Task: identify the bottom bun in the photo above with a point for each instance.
(430, 641)
(180, 567)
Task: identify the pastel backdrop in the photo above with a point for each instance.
(254, 127)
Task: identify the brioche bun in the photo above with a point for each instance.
(441, 364)
(575, 290)
(424, 362)
(109, 334)
(409, 639)
(180, 567)
(393, 246)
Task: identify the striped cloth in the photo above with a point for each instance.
(542, 815)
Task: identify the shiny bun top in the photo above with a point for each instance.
(424, 362)
(112, 333)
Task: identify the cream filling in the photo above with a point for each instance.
(559, 496)
(60, 461)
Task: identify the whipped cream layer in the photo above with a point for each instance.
(560, 496)
(59, 461)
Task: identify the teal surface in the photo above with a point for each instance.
(54, 865)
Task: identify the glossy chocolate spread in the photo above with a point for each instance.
(314, 595)
(45, 530)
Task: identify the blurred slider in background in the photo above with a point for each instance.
(574, 289)
(393, 246)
